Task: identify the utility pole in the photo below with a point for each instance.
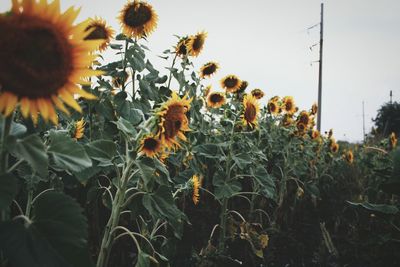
(321, 42)
(391, 95)
(363, 115)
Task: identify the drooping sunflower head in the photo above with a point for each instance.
(43, 59)
(79, 129)
(288, 105)
(119, 80)
(273, 107)
(242, 87)
(393, 140)
(196, 43)
(287, 120)
(138, 19)
(182, 47)
(251, 109)
(334, 147)
(304, 118)
(98, 30)
(173, 122)
(231, 83)
(301, 127)
(257, 93)
(208, 69)
(315, 134)
(349, 156)
(196, 184)
(150, 146)
(215, 100)
(314, 109)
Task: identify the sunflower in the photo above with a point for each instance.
(150, 146)
(287, 120)
(288, 105)
(251, 111)
(208, 69)
(334, 147)
(242, 87)
(301, 127)
(349, 156)
(120, 79)
(196, 183)
(182, 48)
(393, 140)
(196, 43)
(173, 121)
(215, 100)
(138, 19)
(330, 133)
(314, 109)
(43, 58)
(231, 83)
(79, 129)
(257, 93)
(304, 118)
(98, 30)
(273, 107)
(315, 134)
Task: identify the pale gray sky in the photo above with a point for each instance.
(266, 43)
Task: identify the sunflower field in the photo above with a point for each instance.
(124, 163)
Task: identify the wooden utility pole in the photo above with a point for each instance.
(391, 96)
(321, 42)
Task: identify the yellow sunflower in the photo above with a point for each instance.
(393, 140)
(196, 183)
(196, 43)
(349, 156)
(173, 122)
(257, 93)
(273, 107)
(314, 109)
(43, 58)
(251, 111)
(231, 83)
(215, 100)
(138, 19)
(288, 105)
(287, 120)
(208, 69)
(182, 48)
(301, 127)
(98, 30)
(150, 146)
(242, 87)
(330, 133)
(79, 129)
(334, 147)
(304, 118)
(315, 134)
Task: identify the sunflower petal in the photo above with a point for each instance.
(59, 104)
(11, 103)
(43, 108)
(69, 100)
(24, 106)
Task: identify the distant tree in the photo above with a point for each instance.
(388, 119)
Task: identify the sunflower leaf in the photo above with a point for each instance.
(8, 190)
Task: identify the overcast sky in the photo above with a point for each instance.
(266, 42)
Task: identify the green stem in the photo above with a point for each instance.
(117, 206)
(3, 152)
(170, 71)
(29, 203)
(124, 64)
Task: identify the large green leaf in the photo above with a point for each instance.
(67, 153)
(225, 188)
(57, 235)
(265, 180)
(31, 149)
(160, 204)
(125, 126)
(242, 160)
(101, 150)
(386, 209)
(8, 190)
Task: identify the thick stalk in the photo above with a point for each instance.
(170, 71)
(3, 152)
(113, 221)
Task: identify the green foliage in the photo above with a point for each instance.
(388, 119)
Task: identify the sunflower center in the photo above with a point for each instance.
(174, 120)
(36, 59)
(216, 98)
(304, 119)
(272, 107)
(288, 106)
(182, 49)
(150, 144)
(137, 15)
(230, 82)
(198, 43)
(210, 69)
(250, 113)
(98, 33)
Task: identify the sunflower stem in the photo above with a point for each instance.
(170, 71)
(124, 63)
(3, 152)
